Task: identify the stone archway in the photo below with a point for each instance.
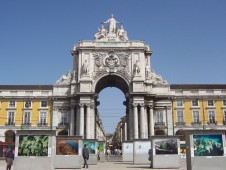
(160, 132)
(181, 134)
(9, 136)
(63, 132)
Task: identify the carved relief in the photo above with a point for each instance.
(111, 61)
(99, 57)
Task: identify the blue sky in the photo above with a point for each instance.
(187, 37)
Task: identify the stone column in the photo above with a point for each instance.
(143, 132)
(130, 123)
(125, 130)
(81, 116)
(151, 122)
(92, 122)
(88, 126)
(135, 122)
(72, 123)
(77, 121)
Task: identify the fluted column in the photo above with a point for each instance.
(92, 122)
(135, 120)
(151, 122)
(72, 123)
(143, 132)
(81, 118)
(77, 120)
(88, 127)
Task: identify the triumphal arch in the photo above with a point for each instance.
(112, 60)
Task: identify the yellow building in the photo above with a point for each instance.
(199, 107)
(24, 107)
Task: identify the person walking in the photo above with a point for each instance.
(85, 154)
(9, 158)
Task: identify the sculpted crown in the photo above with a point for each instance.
(112, 33)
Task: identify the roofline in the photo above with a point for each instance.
(198, 86)
(26, 87)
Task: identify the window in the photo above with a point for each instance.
(12, 103)
(42, 118)
(44, 103)
(27, 116)
(179, 103)
(224, 102)
(180, 117)
(63, 118)
(224, 116)
(27, 104)
(195, 102)
(11, 118)
(196, 117)
(210, 103)
(211, 116)
(159, 117)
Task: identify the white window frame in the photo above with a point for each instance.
(179, 103)
(182, 116)
(25, 122)
(195, 100)
(41, 122)
(209, 103)
(27, 104)
(64, 118)
(224, 102)
(42, 102)
(11, 105)
(11, 121)
(193, 116)
(211, 120)
(159, 116)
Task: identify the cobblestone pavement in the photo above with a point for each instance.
(113, 164)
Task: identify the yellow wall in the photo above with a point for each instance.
(19, 112)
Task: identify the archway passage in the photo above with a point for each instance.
(113, 104)
(9, 136)
(112, 81)
(63, 132)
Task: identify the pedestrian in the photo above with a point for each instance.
(9, 158)
(85, 154)
(98, 154)
(149, 157)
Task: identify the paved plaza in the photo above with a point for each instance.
(112, 164)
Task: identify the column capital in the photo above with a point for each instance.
(81, 104)
(134, 104)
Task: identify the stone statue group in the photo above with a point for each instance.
(111, 31)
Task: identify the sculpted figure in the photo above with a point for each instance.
(122, 33)
(85, 69)
(112, 24)
(102, 32)
(136, 68)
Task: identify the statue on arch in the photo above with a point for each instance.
(112, 24)
(136, 68)
(85, 68)
(102, 32)
(122, 34)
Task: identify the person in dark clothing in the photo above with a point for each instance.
(85, 154)
(9, 158)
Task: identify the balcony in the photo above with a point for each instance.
(180, 123)
(160, 125)
(26, 124)
(63, 125)
(197, 123)
(10, 123)
(212, 122)
(42, 124)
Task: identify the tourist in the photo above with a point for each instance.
(85, 154)
(9, 158)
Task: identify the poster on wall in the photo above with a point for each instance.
(67, 147)
(166, 146)
(127, 148)
(142, 147)
(208, 145)
(101, 147)
(33, 145)
(91, 146)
